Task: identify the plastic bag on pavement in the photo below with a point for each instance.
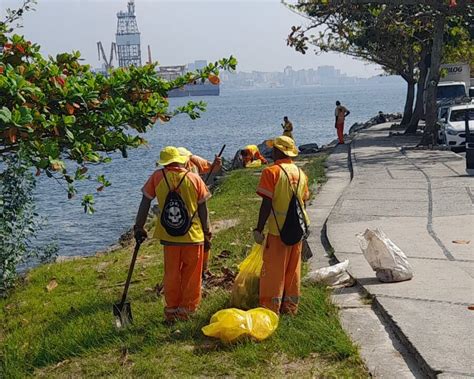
(247, 283)
(333, 276)
(232, 324)
(386, 259)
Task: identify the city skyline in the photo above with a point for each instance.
(254, 32)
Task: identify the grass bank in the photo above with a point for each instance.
(68, 331)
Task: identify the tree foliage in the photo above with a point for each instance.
(396, 34)
(19, 223)
(57, 110)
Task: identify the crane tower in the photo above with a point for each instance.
(128, 37)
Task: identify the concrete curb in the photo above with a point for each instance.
(424, 366)
(379, 309)
(369, 326)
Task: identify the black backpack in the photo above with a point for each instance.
(175, 215)
(294, 228)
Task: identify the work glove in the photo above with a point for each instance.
(140, 234)
(207, 241)
(258, 236)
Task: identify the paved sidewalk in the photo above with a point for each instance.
(383, 354)
(423, 202)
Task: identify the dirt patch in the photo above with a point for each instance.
(223, 280)
(220, 225)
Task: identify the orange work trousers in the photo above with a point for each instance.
(280, 277)
(182, 280)
(340, 131)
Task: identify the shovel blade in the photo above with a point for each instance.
(123, 315)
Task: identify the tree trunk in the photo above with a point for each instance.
(409, 77)
(408, 110)
(420, 91)
(429, 135)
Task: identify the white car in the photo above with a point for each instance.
(453, 132)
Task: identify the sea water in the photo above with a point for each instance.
(235, 118)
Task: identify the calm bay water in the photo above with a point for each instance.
(236, 118)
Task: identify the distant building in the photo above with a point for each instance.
(200, 64)
(196, 65)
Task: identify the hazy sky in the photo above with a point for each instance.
(181, 31)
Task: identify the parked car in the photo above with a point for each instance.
(452, 131)
(442, 114)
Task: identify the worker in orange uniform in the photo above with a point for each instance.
(341, 112)
(201, 166)
(183, 254)
(281, 272)
(287, 127)
(251, 153)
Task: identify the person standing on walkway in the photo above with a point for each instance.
(281, 270)
(341, 113)
(287, 127)
(183, 229)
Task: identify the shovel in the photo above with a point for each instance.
(123, 310)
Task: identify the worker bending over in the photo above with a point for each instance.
(281, 271)
(250, 154)
(183, 230)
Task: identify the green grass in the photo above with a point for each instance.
(69, 331)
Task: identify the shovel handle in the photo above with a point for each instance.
(213, 165)
(129, 276)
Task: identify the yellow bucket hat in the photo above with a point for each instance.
(170, 154)
(286, 145)
(184, 152)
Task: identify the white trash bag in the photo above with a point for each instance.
(334, 276)
(386, 259)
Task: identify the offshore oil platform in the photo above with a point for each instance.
(127, 51)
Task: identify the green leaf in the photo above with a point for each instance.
(69, 120)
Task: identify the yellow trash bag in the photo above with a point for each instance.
(247, 283)
(254, 164)
(231, 324)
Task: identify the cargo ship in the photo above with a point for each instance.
(193, 89)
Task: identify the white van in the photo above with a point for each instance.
(450, 91)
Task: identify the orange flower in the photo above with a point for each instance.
(20, 48)
(70, 109)
(214, 79)
(1, 69)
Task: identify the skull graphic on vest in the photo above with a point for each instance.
(174, 214)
